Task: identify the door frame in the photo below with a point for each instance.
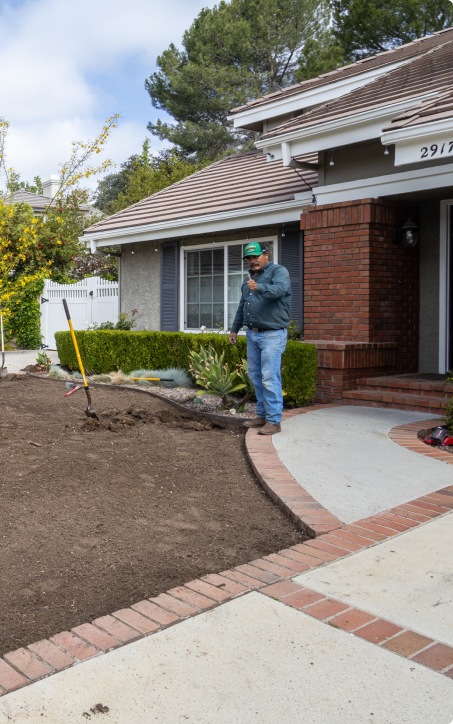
(445, 284)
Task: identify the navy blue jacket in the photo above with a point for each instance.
(270, 306)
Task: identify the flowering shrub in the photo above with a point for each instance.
(23, 268)
(35, 248)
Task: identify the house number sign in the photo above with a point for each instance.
(435, 150)
(430, 148)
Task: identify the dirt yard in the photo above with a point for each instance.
(98, 516)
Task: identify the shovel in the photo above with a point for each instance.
(88, 412)
(3, 369)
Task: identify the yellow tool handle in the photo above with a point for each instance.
(74, 341)
(155, 379)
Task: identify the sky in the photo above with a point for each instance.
(67, 65)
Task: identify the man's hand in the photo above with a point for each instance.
(252, 285)
(232, 337)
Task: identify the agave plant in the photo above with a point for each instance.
(211, 372)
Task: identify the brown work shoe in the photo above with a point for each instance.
(269, 429)
(255, 422)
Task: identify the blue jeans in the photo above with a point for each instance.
(264, 357)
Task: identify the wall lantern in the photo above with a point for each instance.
(409, 234)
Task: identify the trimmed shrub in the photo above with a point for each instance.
(105, 350)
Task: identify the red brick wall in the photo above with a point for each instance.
(358, 285)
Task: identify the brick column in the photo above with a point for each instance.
(360, 293)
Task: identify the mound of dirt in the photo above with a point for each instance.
(116, 420)
(98, 515)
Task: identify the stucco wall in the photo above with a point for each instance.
(429, 286)
(140, 284)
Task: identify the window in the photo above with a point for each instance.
(204, 284)
(212, 284)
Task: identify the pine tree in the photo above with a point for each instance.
(232, 54)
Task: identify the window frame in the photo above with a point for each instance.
(203, 247)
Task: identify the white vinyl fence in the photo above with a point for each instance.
(90, 300)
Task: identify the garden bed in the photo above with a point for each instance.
(97, 516)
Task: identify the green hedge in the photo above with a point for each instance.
(104, 351)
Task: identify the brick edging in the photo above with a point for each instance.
(46, 657)
(406, 436)
(312, 517)
(386, 634)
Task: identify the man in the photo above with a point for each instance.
(264, 310)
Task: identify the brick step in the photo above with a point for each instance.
(393, 398)
(425, 388)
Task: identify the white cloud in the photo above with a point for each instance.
(68, 65)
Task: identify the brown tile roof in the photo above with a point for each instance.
(40, 203)
(432, 110)
(233, 183)
(400, 54)
(431, 72)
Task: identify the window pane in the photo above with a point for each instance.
(206, 315)
(193, 319)
(235, 258)
(217, 261)
(231, 313)
(193, 266)
(193, 290)
(217, 292)
(218, 316)
(205, 262)
(206, 289)
(234, 286)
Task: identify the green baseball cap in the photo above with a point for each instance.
(254, 249)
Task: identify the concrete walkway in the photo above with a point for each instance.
(355, 626)
(16, 360)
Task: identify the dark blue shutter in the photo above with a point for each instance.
(169, 287)
(292, 257)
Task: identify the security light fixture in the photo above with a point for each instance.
(409, 234)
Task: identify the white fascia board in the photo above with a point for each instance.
(308, 98)
(423, 129)
(198, 225)
(338, 131)
(434, 177)
(421, 143)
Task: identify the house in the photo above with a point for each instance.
(351, 185)
(40, 202)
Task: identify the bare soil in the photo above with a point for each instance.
(96, 516)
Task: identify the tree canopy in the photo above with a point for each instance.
(233, 53)
(366, 27)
